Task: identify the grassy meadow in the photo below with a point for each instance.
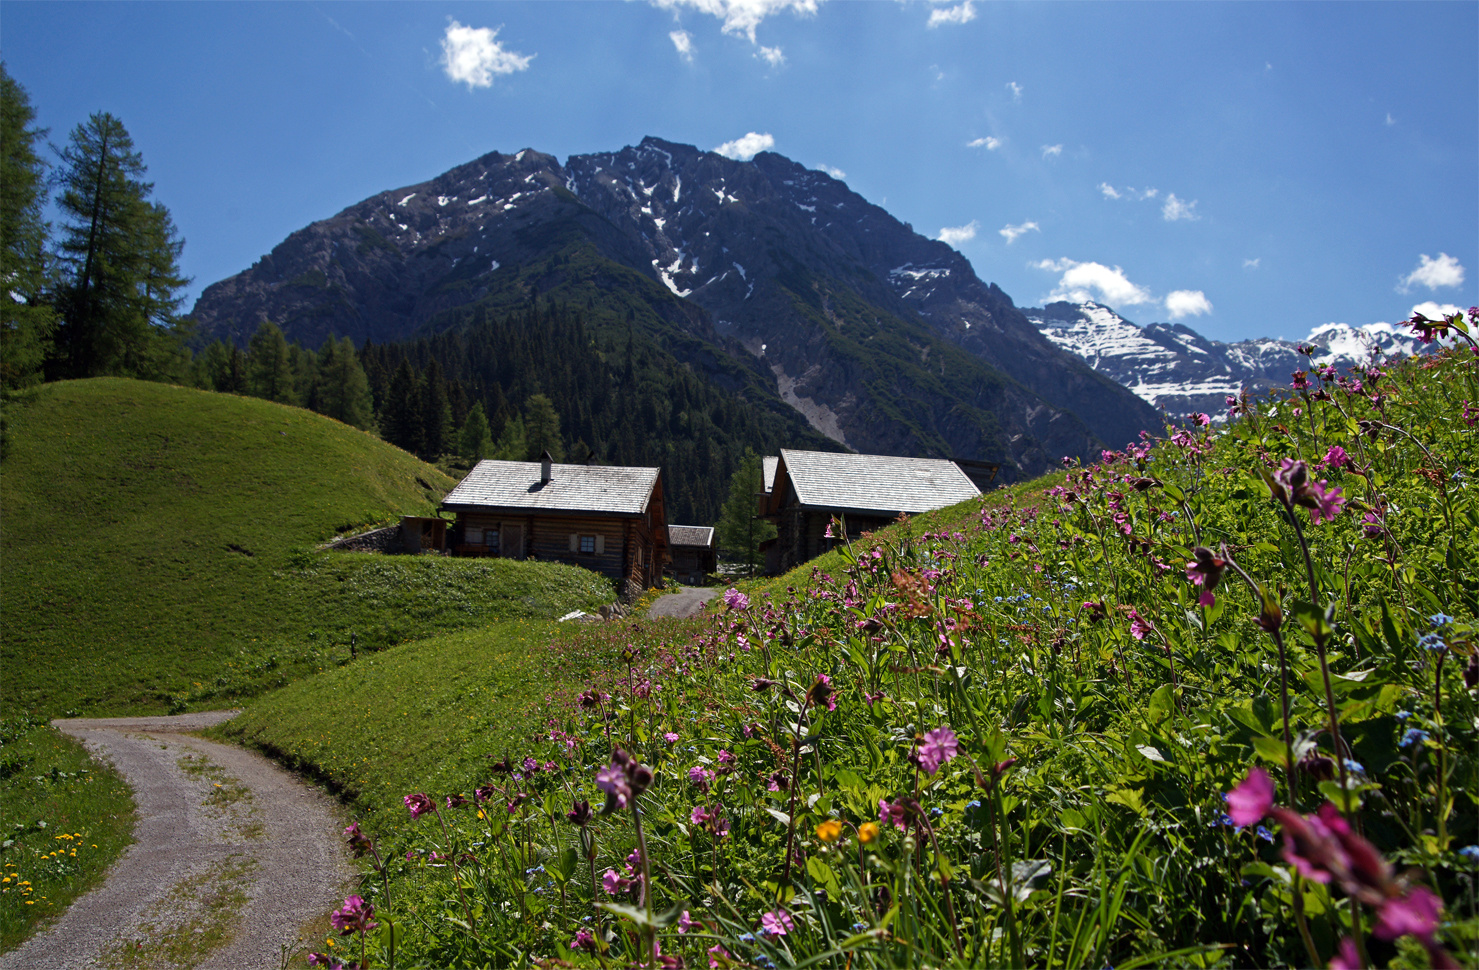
(1213, 701)
(160, 548)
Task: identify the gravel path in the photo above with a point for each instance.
(232, 856)
(688, 601)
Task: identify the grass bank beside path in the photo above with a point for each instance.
(161, 549)
(66, 818)
(434, 714)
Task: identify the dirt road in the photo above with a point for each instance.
(231, 857)
(688, 601)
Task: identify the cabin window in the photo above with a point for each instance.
(588, 545)
(490, 541)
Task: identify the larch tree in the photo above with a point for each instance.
(342, 391)
(542, 428)
(120, 255)
(27, 317)
(270, 365)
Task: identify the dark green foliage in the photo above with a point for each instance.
(400, 416)
(436, 414)
(26, 323)
(120, 255)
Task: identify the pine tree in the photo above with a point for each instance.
(542, 428)
(26, 317)
(270, 367)
(512, 444)
(740, 533)
(474, 441)
(342, 391)
(400, 416)
(121, 254)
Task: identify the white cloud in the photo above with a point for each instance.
(1433, 273)
(1082, 282)
(1110, 192)
(771, 55)
(836, 173)
(473, 55)
(1433, 310)
(962, 14)
(1016, 90)
(683, 40)
(955, 235)
(1187, 303)
(1177, 209)
(1390, 119)
(742, 16)
(1049, 151)
(746, 148)
(1252, 263)
(1010, 232)
(1148, 193)
(991, 143)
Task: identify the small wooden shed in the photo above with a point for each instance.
(810, 488)
(695, 552)
(609, 519)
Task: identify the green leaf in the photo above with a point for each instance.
(1151, 753)
(1131, 798)
(565, 864)
(1271, 749)
(638, 916)
(822, 875)
(1161, 704)
(781, 816)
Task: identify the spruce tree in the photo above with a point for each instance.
(400, 416)
(120, 253)
(436, 413)
(270, 368)
(27, 318)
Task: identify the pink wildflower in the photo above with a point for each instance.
(897, 813)
(1336, 457)
(1327, 503)
(353, 916)
(418, 804)
(736, 600)
(1140, 628)
(1415, 914)
(614, 882)
(717, 953)
(1250, 801)
(940, 745)
(583, 941)
(777, 922)
(670, 737)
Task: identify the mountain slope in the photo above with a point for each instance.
(720, 264)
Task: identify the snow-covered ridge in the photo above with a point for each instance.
(1177, 369)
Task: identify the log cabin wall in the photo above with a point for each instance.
(622, 549)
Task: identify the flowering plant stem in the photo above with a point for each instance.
(456, 872)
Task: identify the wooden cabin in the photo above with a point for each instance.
(605, 518)
(808, 489)
(695, 552)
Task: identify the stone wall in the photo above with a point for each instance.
(387, 540)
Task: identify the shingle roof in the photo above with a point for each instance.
(875, 483)
(768, 465)
(690, 535)
(598, 489)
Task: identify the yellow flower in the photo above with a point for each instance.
(830, 830)
(867, 832)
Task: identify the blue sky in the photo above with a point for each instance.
(1249, 169)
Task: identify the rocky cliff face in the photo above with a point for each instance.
(885, 340)
(1177, 369)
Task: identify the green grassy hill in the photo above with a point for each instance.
(159, 549)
